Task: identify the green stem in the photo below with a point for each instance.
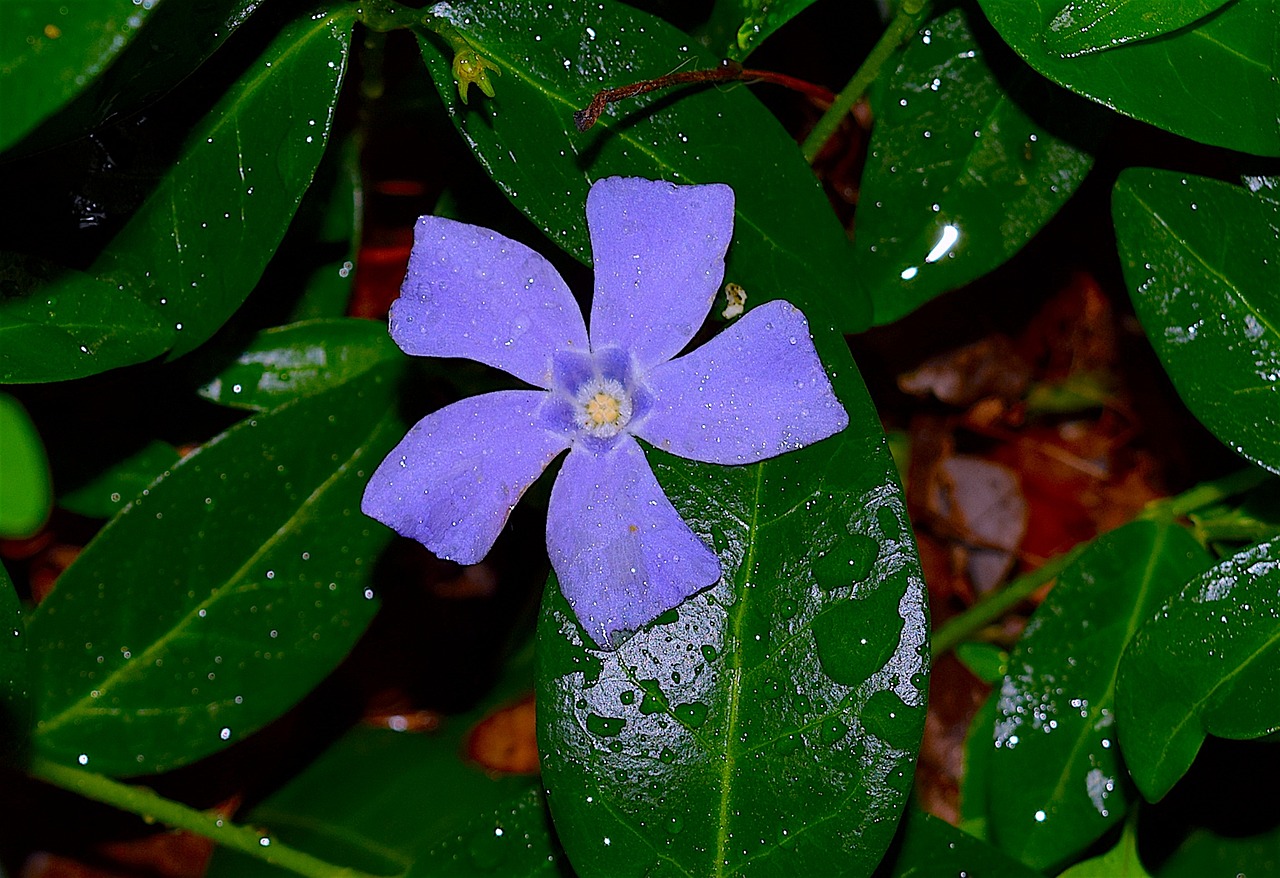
(996, 604)
(898, 32)
(151, 806)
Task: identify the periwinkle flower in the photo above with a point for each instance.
(621, 551)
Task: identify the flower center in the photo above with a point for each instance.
(604, 407)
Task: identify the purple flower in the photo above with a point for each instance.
(621, 551)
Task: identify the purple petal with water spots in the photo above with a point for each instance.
(473, 293)
(659, 259)
(754, 391)
(452, 481)
(621, 551)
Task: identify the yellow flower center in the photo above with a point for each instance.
(603, 409)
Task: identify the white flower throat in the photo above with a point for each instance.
(604, 407)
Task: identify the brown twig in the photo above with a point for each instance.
(728, 71)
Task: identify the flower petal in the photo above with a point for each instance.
(452, 481)
(754, 391)
(621, 551)
(659, 252)
(473, 293)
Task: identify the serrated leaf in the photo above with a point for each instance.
(958, 176)
(1057, 783)
(15, 669)
(928, 847)
(1202, 262)
(788, 243)
(70, 67)
(301, 359)
(57, 324)
(1208, 663)
(1213, 81)
(207, 607)
(769, 725)
(113, 488)
(1085, 26)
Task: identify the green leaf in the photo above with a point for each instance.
(986, 661)
(787, 242)
(110, 490)
(975, 780)
(49, 51)
(328, 288)
(15, 697)
(1213, 82)
(68, 68)
(57, 324)
(1205, 852)
(927, 847)
(1200, 260)
(26, 489)
(1086, 26)
(409, 803)
(1057, 782)
(1121, 861)
(751, 22)
(195, 249)
(958, 177)
(209, 605)
(771, 722)
(1208, 663)
(300, 359)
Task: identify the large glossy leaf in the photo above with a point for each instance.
(1082, 27)
(1202, 262)
(114, 487)
(1057, 782)
(65, 324)
(193, 251)
(286, 362)
(750, 22)
(1208, 663)
(767, 726)
(928, 847)
(959, 177)
(1213, 81)
(15, 694)
(408, 803)
(222, 595)
(52, 53)
(553, 57)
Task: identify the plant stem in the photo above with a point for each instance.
(899, 30)
(151, 806)
(996, 604)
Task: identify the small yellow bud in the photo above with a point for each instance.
(470, 66)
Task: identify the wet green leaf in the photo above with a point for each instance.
(26, 488)
(1207, 663)
(927, 847)
(408, 803)
(958, 176)
(68, 67)
(1202, 262)
(1085, 26)
(300, 359)
(209, 605)
(768, 725)
(1213, 81)
(751, 22)
(113, 488)
(975, 780)
(15, 695)
(67, 324)
(787, 242)
(1057, 782)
